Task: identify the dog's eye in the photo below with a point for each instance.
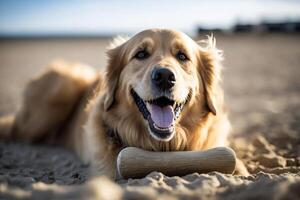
(141, 55)
(181, 56)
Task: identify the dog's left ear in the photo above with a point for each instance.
(210, 71)
(113, 71)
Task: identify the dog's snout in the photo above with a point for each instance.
(163, 78)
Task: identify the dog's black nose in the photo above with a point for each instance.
(163, 78)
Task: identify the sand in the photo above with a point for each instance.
(262, 87)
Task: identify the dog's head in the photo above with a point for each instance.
(162, 76)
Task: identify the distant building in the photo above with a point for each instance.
(238, 28)
(280, 27)
(266, 26)
(203, 31)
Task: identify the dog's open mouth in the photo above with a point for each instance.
(161, 114)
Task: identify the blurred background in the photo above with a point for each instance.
(260, 40)
(57, 18)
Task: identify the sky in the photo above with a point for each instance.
(71, 17)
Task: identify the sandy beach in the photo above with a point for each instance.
(262, 91)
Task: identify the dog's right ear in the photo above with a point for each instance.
(113, 71)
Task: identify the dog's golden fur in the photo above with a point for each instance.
(72, 104)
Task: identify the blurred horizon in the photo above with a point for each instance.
(96, 18)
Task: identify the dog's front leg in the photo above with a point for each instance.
(104, 167)
(98, 149)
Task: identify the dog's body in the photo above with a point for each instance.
(161, 92)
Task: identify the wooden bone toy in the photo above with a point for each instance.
(136, 163)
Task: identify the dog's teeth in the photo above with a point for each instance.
(148, 106)
(162, 129)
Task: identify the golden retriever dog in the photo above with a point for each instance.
(161, 92)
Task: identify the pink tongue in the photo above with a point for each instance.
(162, 116)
